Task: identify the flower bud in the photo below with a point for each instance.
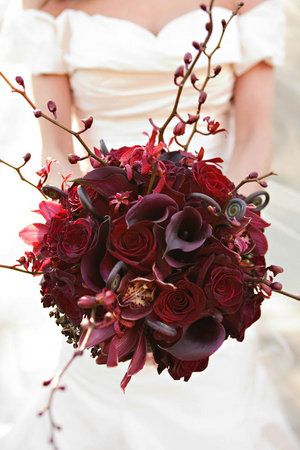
(203, 7)
(27, 157)
(87, 302)
(47, 382)
(202, 98)
(263, 184)
(37, 113)
(276, 270)
(22, 260)
(224, 23)
(106, 297)
(196, 45)
(87, 122)
(51, 105)
(179, 129)
(217, 70)
(208, 27)
(20, 81)
(73, 159)
(192, 118)
(252, 175)
(179, 73)
(276, 286)
(194, 78)
(188, 58)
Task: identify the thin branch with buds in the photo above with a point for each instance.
(209, 76)
(253, 180)
(38, 113)
(19, 172)
(190, 68)
(55, 383)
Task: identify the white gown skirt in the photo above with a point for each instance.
(232, 405)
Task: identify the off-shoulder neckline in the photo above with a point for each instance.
(171, 22)
(131, 23)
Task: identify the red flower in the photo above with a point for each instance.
(76, 239)
(135, 246)
(224, 287)
(210, 181)
(182, 306)
(184, 369)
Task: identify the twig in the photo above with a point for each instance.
(287, 294)
(252, 180)
(186, 76)
(56, 380)
(17, 269)
(18, 170)
(76, 134)
(208, 75)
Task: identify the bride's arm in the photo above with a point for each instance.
(55, 142)
(253, 102)
(57, 88)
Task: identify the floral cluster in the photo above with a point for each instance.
(160, 249)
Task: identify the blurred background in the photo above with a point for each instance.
(30, 342)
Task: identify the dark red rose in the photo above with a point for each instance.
(96, 200)
(210, 180)
(63, 289)
(134, 246)
(182, 306)
(224, 287)
(76, 239)
(236, 324)
(184, 369)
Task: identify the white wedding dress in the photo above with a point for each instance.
(122, 74)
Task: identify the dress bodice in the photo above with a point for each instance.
(122, 74)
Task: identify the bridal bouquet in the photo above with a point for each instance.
(159, 251)
(153, 250)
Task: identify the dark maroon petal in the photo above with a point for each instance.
(138, 360)
(107, 181)
(259, 239)
(122, 346)
(186, 231)
(199, 340)
(90, 263)
(153, 207)
(129, 313)
(99, 334)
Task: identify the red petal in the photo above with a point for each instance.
(34, 234)
(49, 209)
(138, 360)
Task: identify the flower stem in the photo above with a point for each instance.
(17, 269)
(76, 134)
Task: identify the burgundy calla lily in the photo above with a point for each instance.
(199, 340)
(154, 208)
(107, 181)
(187, 231)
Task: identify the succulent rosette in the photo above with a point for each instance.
(161, 248)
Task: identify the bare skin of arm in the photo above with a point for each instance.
(253, 104)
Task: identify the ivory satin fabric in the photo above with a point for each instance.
(122, 74)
